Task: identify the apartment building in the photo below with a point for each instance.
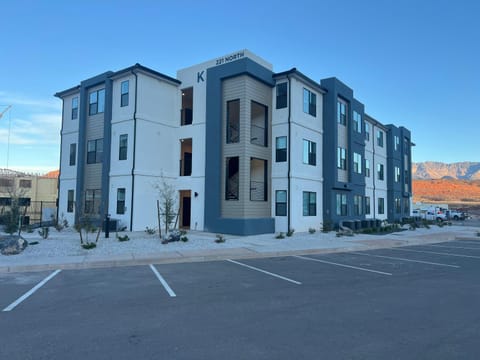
(247, 150)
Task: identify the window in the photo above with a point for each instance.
(380, 171)
(281, 149)
(258, 124)
(381, 206)
(357, 205)
(5, 182)
(367, 168)
(5, 201)
(124, 93)
(94, 151)
(24, 201)
(75, 108)
(123, 146)
(92, 201)
(282, 95)
(341, 158)
(398, 206)
(397, 174)
(281, 203)
(232, 178)
(73, 154)
(309, 152)
(25, 184)
(407, 180)
(258, 179)
(309, 102)
(396, 142)
(187, 106)
(121, 201)
(367, 131)
(70, 200)
(357, 122)
(406, 206)
(96, 102)
(341, 112)
(380, 138)
(309, 203)
(357, 163)
(367, 205)
(233, 121)
(341, 204)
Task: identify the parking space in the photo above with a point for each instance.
(339, 301)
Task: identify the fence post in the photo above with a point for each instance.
(41, 213)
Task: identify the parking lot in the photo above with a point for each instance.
(417, 302)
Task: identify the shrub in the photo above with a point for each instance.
(219, 238)
(290, 232)
(150, 231)
(89, 245)
(280, 236)
(122, 238)
(43, 232)
(311, 230)
(327, 226)
(184, 238)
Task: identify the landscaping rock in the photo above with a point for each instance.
(174, 236)
(12, 244)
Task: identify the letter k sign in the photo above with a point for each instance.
(200, 76)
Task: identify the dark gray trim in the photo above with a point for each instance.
(295, 73)
(213, 149)
(134, 149)
(107, 141)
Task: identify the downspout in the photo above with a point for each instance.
(373, 173)
(134, 149)
(289, 151)
(60, 167)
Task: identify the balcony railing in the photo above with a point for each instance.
(258, 191)
(258, 135)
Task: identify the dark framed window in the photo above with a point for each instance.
(233, 121)
(341, 158)
(96, 102)
(380, 172)
(381, 206)
(6, 182)
(397, 174)
(232, 178)
(23, 201)
(380, 138)
(341, 112)
(309, 203)
(357, 205)
(121, 201)
(396, 142)
(92, 201)
(357, 163)
(281, 149)
(70, 200)
(398, 206)
(5, 201)
(186, 113)
(309, 152)
(406, 206)
(258, 179)
(25, 184)
(94, 151)
(357, 122)
(258, 124)
(367, 131)
(73, 154)
(309, 102)
(341, 204)
(281, 203)
(282, 94)
(124, 93)
(74, 108)
(367, 205)
(367, 168)
(123, 146)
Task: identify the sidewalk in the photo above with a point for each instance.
(62, 250)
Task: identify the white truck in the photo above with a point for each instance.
(432, 214)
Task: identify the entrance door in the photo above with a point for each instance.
(186, 209)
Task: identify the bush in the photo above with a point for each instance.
(219, 239)
(43, 232)
(290, 232)
(122, 238)
(89, 245)
(150, 231)
(184, 238)
(311, 230)
(327, 226)
(280, 236)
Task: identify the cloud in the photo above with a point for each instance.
(25, 101)
(36, 129)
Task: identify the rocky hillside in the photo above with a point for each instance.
(439, 170)
(447, 191)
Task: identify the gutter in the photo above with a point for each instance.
(134, 148)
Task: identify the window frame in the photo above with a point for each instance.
(309, 152)
(357, 163)
(124, 95)
(309, 206)
(75, 108)
(341, 158)
(357, 122)
(380, 138)
(280, 152)
(357, 205)
(367, 205)
(230, 139)
(281, 95)
(341, 204)
(280, 206)
(70, 200)
(73, 154)
(95, 156)
(342, 110)
(367, 168)
(120, 210)
(96, 102)
(122, 149)
(381, 206)
(309, 102)
(380, 172)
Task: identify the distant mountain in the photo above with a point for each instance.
(438, 170)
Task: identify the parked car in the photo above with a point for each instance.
(455, 215)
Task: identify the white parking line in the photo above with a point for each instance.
(403, 259)
(436, 253)
(162, 280)
(265, 272)
(453, 247)
(31, 291)
(343, 265)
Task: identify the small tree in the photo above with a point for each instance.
(167, 203)
(14, 215)
(85, 225)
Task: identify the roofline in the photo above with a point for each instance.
(376, 122)
(63, 93)
(300, 75)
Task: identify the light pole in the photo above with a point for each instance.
(8, 107)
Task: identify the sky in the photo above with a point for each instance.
(412, 63)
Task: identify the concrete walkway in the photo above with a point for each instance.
(62, 250)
